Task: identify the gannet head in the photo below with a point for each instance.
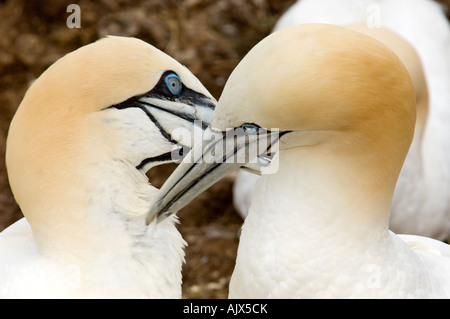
(318, 85)
(117, 100)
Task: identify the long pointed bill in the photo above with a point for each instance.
(218, 154)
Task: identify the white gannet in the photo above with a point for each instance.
(345, 108)
(421, 203)
(78, 149)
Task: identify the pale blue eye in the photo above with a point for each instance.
(173, 83)
(250, 128)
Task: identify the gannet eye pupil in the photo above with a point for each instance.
(250, 128)
(173, 83)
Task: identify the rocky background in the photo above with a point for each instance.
(208, 36)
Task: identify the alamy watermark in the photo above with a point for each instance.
(373, 16)
(74, 19)
(233, 146)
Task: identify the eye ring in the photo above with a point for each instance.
(250, 128)
(173, 83)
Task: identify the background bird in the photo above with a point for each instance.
(422, 202)
(78, 148)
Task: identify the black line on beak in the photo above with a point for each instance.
(166, 157)
(184, 116)
(190, 186)
(211, 169)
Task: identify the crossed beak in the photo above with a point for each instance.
(216, 155)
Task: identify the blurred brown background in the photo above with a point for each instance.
(208, 36)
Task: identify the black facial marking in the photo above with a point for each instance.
(161, 91)
(134, 102)
(187, 96)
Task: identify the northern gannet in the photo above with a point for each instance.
(421, 203)
(318, 227)
(79, 145)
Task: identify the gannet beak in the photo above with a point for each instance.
(191, 108)
(219, 154)
(183, 111)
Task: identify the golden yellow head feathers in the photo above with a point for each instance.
(101, 74)
(313, 77)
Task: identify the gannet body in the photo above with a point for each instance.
(345, 107)
(78, 149)
(421, 202)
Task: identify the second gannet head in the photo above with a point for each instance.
(323, 87)
(90, 127)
